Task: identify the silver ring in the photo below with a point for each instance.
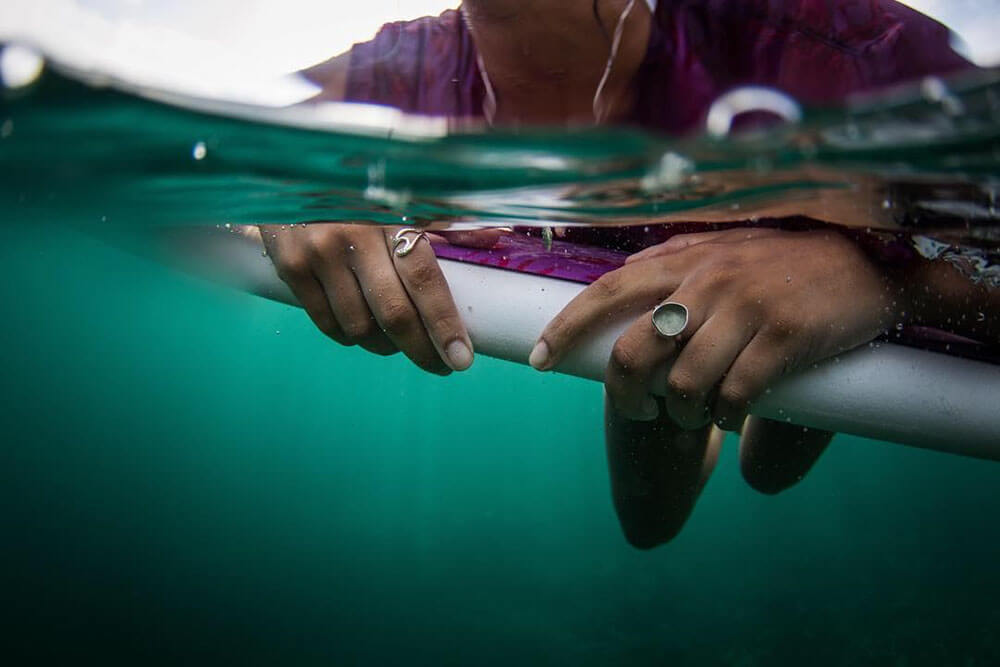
(670, 319)
(405, 240)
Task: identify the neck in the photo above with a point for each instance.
(545, 58)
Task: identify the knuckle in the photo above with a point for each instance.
(397, 314)
(608, 286)
(421, 271)
(625, 358)
(360, 329)
(291, 266)
(734, 396)
(326, 243)
(780, 329)
(682, 384)
(558, 330)
(721, 275)
(446, 326)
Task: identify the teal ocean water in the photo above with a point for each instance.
(190, 474)
(181, 482)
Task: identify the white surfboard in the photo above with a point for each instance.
(884, 391)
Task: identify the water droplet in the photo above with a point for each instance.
(980, 317)
(7, 128)
(199, 151)
(788, 279)
(277, 333)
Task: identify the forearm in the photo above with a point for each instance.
(936, 294)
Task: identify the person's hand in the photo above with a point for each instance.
(358, 292)
(762, 303)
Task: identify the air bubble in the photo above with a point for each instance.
(199, 151)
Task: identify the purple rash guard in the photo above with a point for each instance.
(817, 51)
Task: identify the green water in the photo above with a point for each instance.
(109, 158)
(180, 482)
(190, 474)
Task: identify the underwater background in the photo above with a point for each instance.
(190, 474)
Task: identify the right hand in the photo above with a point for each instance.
(359, 293)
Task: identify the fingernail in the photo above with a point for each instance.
(650, 410)
(459, 355)
(539, 356)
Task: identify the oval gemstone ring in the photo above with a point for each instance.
(670, 318)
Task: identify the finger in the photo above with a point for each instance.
(322, 294)
(423, 280)
(348, 306)
(311, 295)
(474, 238)
(657, 472)
(679, 242)
(390, 303)
(630, 376)
(630, 289)
(775, 455)
(758, 366)
(702, 363)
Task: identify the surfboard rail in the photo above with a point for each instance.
(882, 391)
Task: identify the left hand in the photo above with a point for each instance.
(762, 303)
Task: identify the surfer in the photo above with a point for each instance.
(751, 304)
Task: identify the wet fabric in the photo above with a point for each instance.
(817, 51)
